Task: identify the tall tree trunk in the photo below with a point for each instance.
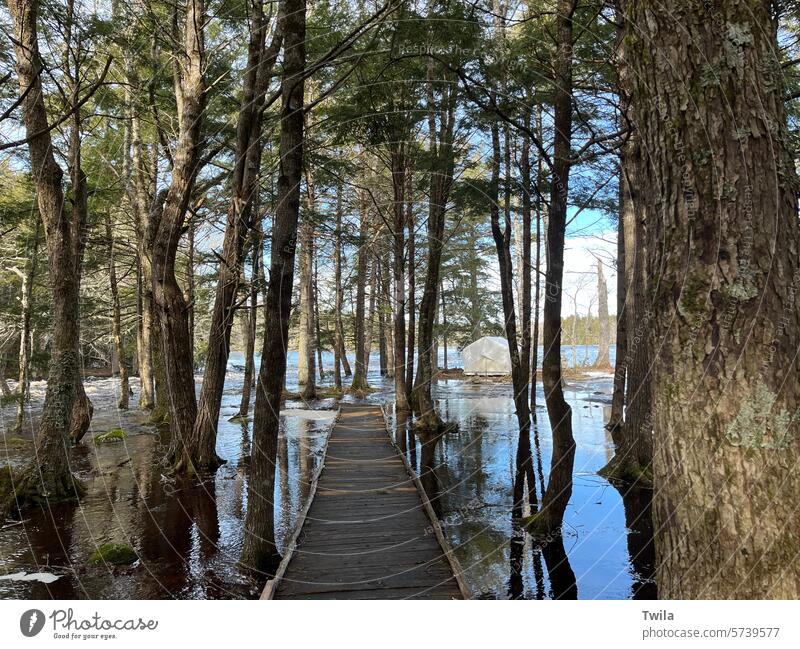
(559, 486)
(188, 289)
(400, 171)
(306, 362)
(360, 383)
(116, 325)
(412, 265)
(259, 551)
(726, 327)
(632, 433)
(338, 346)
(28, 276)
(604, 335)
(170, 305)
(620, 366)
(444, 323)
(317, 330)
(48, 476)
(82, 408)
(373, 312)
(199, 450)
(141, 209)
(256, 236)
(537, 273)
(519, 373)
(441, 180)
(525, 267)
(388, 314)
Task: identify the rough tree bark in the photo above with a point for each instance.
(259, 551)
(719, 196)
(48, 476)
(631, 425)
(170, 305)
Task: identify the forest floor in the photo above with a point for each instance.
(186, 535)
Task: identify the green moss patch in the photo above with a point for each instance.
(117, 554)
(111, 436)
(15, 442)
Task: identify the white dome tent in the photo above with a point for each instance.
(487, 356)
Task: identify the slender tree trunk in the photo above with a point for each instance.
(199, 450)
(306, 363)
(525, 267)
(317, 331)
(537, 274)
(559, 487)
(259, 551)
(141, 209)
(373, 311)
(519, 373)
(388, 316)
(722, 278)
(618, 397)
(444, 323)
(116, 326)
(603, 359)
(441, 180)
(82, 408)
(188, 289)
(256, 236)
(400, 172)
(338, 346)
(48, 476)
(412, 265)
(359, 383)
(28, 277)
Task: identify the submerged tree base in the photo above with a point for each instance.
(260, 564)
(628, 472)
(32, 487)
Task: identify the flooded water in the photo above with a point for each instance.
(188, 534)
(607, 550)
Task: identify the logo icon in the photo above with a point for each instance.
(31, 622)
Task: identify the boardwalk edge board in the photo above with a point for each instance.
(447, 549)
(271, 587)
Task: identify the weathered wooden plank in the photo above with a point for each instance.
(366, 535)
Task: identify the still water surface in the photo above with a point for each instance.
(188, 535)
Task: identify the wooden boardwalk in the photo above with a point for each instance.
(368, 533)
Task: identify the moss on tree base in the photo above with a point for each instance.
(628, 472)
(29, 487)
(541, 527)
